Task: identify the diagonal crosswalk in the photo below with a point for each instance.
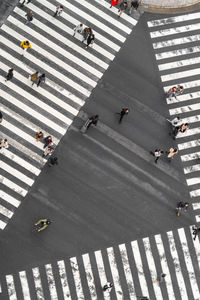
(178, 63)
(72, 72)
(134, 268)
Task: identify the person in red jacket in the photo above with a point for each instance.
(114, 2)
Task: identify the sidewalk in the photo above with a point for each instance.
(170, 6)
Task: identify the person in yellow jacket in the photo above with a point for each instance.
(25, 45)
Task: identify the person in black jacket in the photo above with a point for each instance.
(9, 76)
(1, 116)
(90, 40)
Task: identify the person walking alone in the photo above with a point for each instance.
(195, 231)
(41, 79)
(4, 144)
(171, 153)
(78, 29)
(9, 76)
(53, 161)
(123, 112)
(29, 17)
(59, 10)
(122, 8)
(157, 154)
(35, 77)
(25, 45)
(108, 287)
(90, 40)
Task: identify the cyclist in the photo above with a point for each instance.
(43, 224)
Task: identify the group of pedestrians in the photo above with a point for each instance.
(125, 5)
(87, 34)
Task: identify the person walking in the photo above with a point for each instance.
(157, 154)
(123, 112)
(24, 2)
(4, 143)
(86, 32)
(39, 135)
(122, 8)
(9, 76)
(25, 45)
(41, 79)
(78, 29)
(171, 153)
(90, 40)
(113, 3)
(35, 77)
(48, 150)
(195, 231)
(181, 129)
(48, 141)
(53, 161)
(29, 16)
(59, 10)
(108, 287)
(134, 6)
(1, 117)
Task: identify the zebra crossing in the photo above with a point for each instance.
(72, 72)
(178, 63)
(132, 267)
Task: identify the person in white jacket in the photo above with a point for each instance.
(78, 29)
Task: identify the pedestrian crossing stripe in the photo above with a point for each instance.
(133, 268)
(72, 72)
(184, 71)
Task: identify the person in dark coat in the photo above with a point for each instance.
(9, 76)
(53, 161)
(1, 116)
(41, 79)
(47, 141)
(123, 6)
(122, 113)
(90, 40)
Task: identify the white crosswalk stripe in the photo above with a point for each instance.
(72, 72)
(184, 71)
(174, 254)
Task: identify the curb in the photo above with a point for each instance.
(170, 9)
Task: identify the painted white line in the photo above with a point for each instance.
(11, 185)
(189, 264)
(38, 284)
(178, 52)
(175, 76)
(18, 160)
(140, 270)
(24, 285)
(30, 111)
(184, 97)
(41, 63)
(192, 181)
(192, 119)
(186, 85)
(102, 273)
(177, 266)
(164, 265)
(175, 42)
(115, 273)
(190, 169)
(6, 212)
(189, 144)
(11, 287)
(2, 226)
(64, 40)
(0, 288)
(188, 132)
(196, 246)
(196, 206)
(127, 271)
(174, 30)
(64, 281)
(89, 276)
(9, 199)
(191, 156)
(173, 20)
(51, 282)
(51, 57)
(152, 268)
(184, 109)
(77, 278)
(114, 10)
(16, 173)
(179, 64)
(197, 218)
(195, 193)
(105, 16)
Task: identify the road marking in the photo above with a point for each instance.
(2, 225)
(13, 186)
(175, 19)
(178, 75)
(179, 64)
(190, 169)
(38, 283)
(77, 278)
(192, 181)
(102, 273)
(64, 281)
(9, 199)
(178, 52)
(196, 206)
(24, 285)
(174, 30)
(51, 282)
(177, 42)
(89, 276)
(11, 287)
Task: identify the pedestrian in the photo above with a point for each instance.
(78, 29)
(90, 40)
(4, 143)
(41, 79)
(114, 2)
(123, 112)
(93, 120)
(122, 7)
(29, 17)
(179, 90)
(25, 45)
(176, 122)
(9, 76)
(171, 153)
(1, 117)
(48, 141)
(195, 231)
(108, 287)
(38, 136)
(157, 154)
(162, 277)
(34, 77)
(24, 2)
(86, 32)
(53, 161)
(134, 6)
(181, 129)
(59, 10)
(48, 150)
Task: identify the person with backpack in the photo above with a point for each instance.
(35, 77)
